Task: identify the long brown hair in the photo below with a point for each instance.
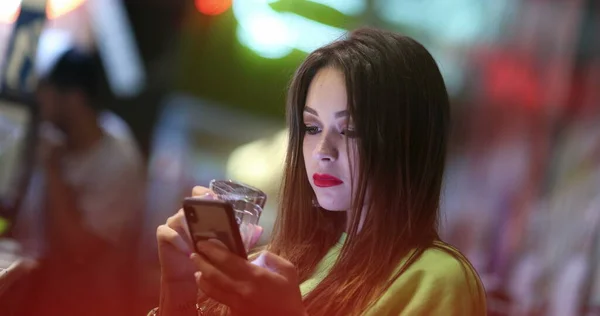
(398, 102)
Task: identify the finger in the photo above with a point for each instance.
(212, 274)
(173, 220)
(178, 223)
(186, 229)
(221, 257)
(165, 234)
(183, 227)
(217, 293)
(199, 191)
(218, 243)
(277, 264)
(258, 230)
(260, 261)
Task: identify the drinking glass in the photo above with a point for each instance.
(231, 191)
(246, 216)
(247, 202)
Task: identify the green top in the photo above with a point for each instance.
(440, 282)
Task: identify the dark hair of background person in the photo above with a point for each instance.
(77, 70)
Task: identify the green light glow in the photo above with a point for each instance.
(273, 34)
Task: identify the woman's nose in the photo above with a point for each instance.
(326, 151)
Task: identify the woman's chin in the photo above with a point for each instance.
(332, 199)
(332, 207)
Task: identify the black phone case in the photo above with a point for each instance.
(233, 241)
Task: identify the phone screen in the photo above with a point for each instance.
(213, 219)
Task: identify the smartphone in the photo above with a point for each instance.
(208, 219)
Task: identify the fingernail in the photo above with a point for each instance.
(217, 242)
(197, 275)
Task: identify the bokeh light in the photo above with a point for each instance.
(57, 8)
(213, 7)
(9, 10)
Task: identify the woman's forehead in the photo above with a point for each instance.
(327, 93)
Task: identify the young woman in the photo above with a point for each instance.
(356, 232)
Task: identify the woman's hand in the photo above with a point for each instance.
(179, 292)
(175, 245)
(247, 288)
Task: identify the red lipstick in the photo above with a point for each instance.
(326, 180)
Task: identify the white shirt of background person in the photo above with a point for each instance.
(110, 183)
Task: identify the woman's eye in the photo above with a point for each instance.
(311, 130)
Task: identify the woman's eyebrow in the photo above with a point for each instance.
(311, 110)
(339, 114)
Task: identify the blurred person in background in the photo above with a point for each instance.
(356, 232)
(79, 214)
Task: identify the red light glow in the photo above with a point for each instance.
(213, 7)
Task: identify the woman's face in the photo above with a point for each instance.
(329, 143)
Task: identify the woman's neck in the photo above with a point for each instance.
(349, 220)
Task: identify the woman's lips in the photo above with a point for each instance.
(326, 180)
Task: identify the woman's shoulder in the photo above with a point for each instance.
(441, 281)
(442, 260)
(444, 267)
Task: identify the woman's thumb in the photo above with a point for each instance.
(279, 265)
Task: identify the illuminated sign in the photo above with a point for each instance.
(117, 46)
(9, 9)
(18, 75)
(112, 30)
(273, 34)
(457, 21)
(56, 8)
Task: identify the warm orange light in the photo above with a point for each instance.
(57, 8)
(9, 10)
(8, 17)
(213, 7)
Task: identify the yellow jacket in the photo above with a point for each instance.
(440, 282)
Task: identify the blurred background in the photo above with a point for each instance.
(202, 85)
